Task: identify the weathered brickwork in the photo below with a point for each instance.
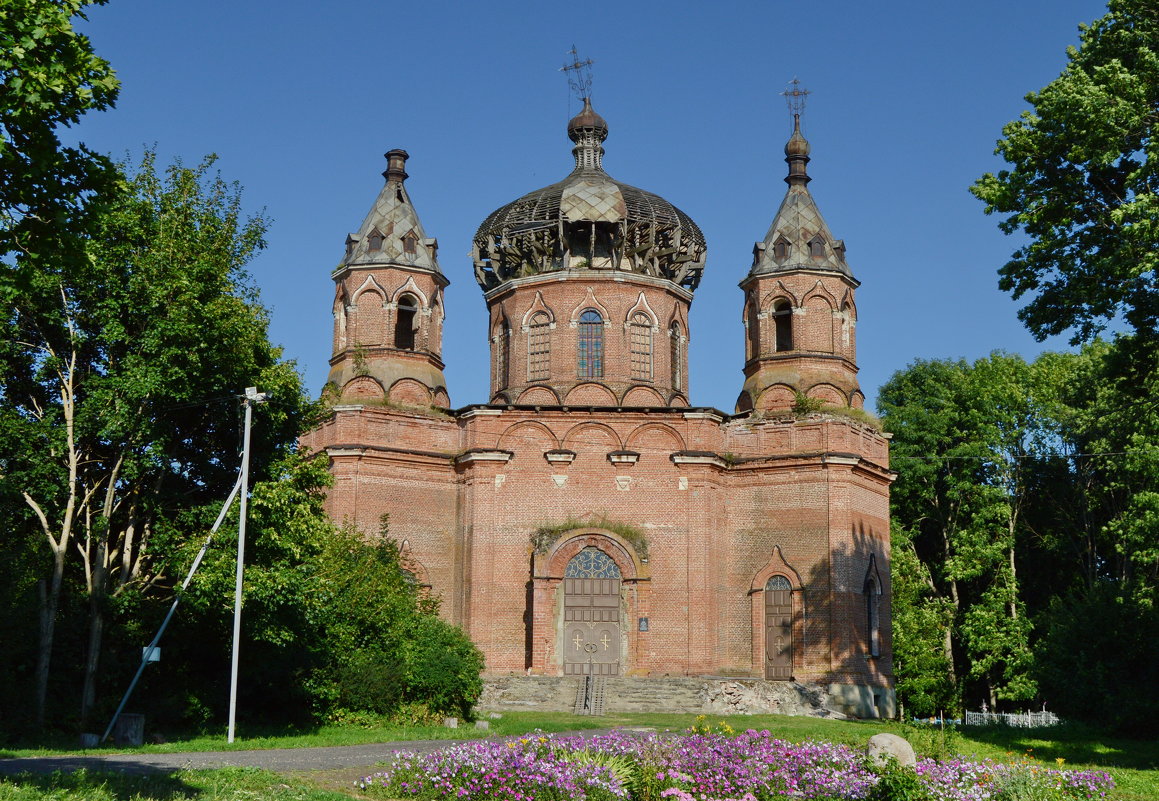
(587, 519)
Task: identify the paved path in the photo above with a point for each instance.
(276, 759)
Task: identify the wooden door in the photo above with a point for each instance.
(591, 615)
(778, 629)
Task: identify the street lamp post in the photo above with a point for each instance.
(252, 396)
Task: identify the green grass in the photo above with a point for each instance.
(226, 784)
(1134, 764)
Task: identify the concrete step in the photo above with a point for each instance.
(698, 695)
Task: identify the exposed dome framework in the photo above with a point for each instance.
(589, 221)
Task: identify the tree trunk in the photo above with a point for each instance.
(96, 636)
(49, 604)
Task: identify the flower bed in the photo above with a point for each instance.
(752, 766)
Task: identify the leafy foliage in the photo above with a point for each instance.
(1083, 183)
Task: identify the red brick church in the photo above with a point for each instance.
(588, 519)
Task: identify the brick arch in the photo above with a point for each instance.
(518, 436)
(409, 392)
(539, 396)
(857, 399)
(370, 285)
(650, 431)
(828, 393)
(363, 388)
(537, 305)
(776, 398)
(554, 562)
(642, 396)
(779, 290)
(820, 290)
(776, 566)
(744, 403)
(678, 399)
(442, 399)
(571, 438)
(409, 286)
(590, 394)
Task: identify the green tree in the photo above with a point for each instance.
(1083, 181)
(121, 371)
(49, 77)
(963, 438)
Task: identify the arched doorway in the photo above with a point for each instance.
(591, 615)
(778, 629)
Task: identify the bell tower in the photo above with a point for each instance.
(388, 305)
(799, 310)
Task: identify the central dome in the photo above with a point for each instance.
(588, 221)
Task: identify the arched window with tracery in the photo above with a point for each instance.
(782, 325)
(590, 345)
(591, 562)
(406, 322)
(539, 347)
(676, 355)
(640, 334)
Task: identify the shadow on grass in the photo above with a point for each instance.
(130, 783)
(1074, 743)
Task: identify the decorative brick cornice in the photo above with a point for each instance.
(698, 457)
(483, 455)
(559, 456)
(623, 457)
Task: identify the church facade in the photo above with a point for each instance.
(587, 519)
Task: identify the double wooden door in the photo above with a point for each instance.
(591, 628)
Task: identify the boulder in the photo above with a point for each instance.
(883, 746)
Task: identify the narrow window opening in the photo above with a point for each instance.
(783, 325)
(675, 355)
(409, 244)
(816, 247)
(539, 347)
(590, 346)
(872, 615)
(502, 355)
(406, 323)
(374, 241)
(780, 250)
(641, 342)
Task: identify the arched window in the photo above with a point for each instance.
(591, 562)
(410, 244)
(374, 241)
(406, 322)
(502, 343)
(781, 249)
(590, 346)
(817, 247)
(539, 347)
(640, 330)
(783, 325)
(675, 354)
(872, 614)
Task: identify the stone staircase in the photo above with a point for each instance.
(610, 695)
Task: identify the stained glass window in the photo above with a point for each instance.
(590, 347)
(591, 562)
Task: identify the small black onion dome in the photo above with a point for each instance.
(797, 145)
(587, 120)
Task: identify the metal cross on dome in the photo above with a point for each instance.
(795, 96)
(579, 74)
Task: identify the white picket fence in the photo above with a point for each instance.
(1025, 720)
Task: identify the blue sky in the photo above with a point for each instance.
(300, 99)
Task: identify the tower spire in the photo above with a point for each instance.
(797, 148)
